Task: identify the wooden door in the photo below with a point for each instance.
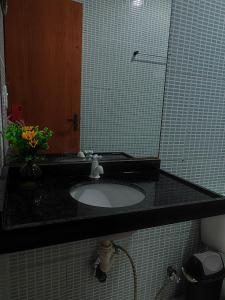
(43, 46)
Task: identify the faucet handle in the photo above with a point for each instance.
(96, 157)
(88, 152)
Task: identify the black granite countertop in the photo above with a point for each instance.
(47, 214)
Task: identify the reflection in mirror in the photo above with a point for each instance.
(92, 71)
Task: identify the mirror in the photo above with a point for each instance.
(120, 55)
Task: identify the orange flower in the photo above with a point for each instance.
(28, 135)
(33, 143)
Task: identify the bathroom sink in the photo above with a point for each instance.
(110, 195)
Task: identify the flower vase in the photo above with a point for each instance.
(30, 171)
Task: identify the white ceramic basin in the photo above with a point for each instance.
(109, 195)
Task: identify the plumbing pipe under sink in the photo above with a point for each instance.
(106, 255)
(104, 262)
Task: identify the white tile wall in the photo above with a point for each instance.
(193, 135)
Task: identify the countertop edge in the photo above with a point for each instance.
(47, 235)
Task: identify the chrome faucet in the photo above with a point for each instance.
(96, 169)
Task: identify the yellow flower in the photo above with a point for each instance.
(27, 128)
(28, 135)
(33, 143)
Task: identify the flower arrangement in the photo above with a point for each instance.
(26, 141)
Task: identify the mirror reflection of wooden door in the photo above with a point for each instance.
(43, 46)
